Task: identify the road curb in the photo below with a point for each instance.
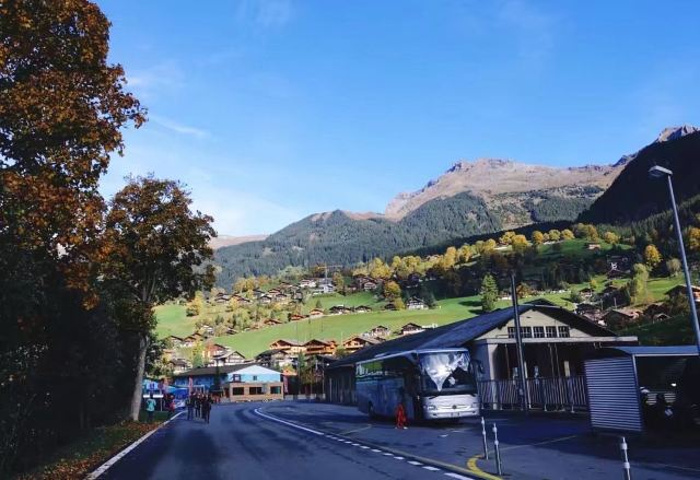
(457, 472)
(109, 463)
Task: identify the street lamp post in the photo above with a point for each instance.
(661, 172)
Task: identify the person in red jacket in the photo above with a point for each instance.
(401, 411)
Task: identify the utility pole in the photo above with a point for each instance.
(522, 390)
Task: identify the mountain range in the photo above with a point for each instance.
(469, 199)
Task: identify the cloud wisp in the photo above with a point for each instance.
(177, 127)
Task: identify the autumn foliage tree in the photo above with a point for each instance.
(62, 110)
(156, 248)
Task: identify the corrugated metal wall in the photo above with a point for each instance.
(613, 394)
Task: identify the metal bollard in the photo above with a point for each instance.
(625, 459)
(499, 466)
(483, 435)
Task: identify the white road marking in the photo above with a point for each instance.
(389, 454)
(364, 447)
(457, 476)
(105, 466)
(293, 425)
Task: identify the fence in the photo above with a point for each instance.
(548, 394)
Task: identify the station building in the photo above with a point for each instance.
(555, 343)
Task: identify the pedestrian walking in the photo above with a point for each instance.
(197, 405)
(150, 408)
(401, 411)
(171, 406)
(190, 407)
(206, 407)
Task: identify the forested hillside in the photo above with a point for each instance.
(634, 196)
(335, 238)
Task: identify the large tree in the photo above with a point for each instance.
(156, 248)
(62, 108)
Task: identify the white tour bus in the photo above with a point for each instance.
(434, 384)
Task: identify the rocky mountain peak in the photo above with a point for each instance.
(673, 133)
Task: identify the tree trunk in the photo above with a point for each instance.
(138, 381)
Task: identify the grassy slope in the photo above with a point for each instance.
(342, 326)
(173, 321)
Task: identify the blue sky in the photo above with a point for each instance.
(270, 110)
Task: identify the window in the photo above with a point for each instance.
(237, 391)
(236, 379)
(275, 390)
(526, 332)
(564, 332)
(255, 378)
(539, 332)
(551, 332)
(511, 332)
(255, 391)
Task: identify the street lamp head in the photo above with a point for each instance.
(659, 172)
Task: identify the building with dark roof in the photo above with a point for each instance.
(555, 341)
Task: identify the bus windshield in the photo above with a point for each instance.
(445, 373)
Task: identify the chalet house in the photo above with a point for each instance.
(415, 303)
(590, 311)
(259, 293)
(243, 382)
(593, 246)
(218, 349)
(363, 309)
(295, 317)
(378, 331)
(230, 357)
(271, 322)
(307, 283)
(369, 285)
(316, 313)
(618, 318)
(682, 290)
(410, 329)
(179, 365)
(274, 357)
(290, 346)
(320, 347)
(323, 289)
(192, 340)
(206, 330)
(555, 343)
(357, 342)
(660, 317)
(615, 273)
(274, 291)
(390, 307)
(265, 299)
(241, 300)
(174, 342)
(281, 298)
(339, 310)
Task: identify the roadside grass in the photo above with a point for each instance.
(80, 457)
(674, 331)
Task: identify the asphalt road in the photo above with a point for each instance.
(240, 443)
(307, 441)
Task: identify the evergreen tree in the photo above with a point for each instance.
(489, 293)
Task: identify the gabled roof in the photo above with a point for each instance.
(174, 337)
(682, 289)
(411, 325)
(293, 343)
(459, 333)
(378, 327)
(202, 371)
(316, 340)
(271, 351)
